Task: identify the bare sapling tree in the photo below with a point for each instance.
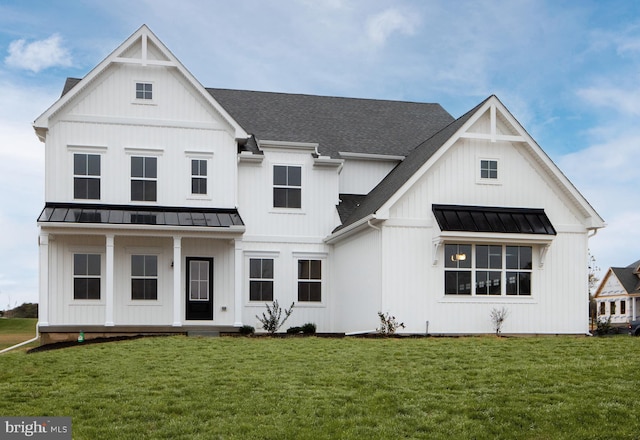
(498, 316)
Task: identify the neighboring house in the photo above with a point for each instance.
(172, 207)
(617, 297)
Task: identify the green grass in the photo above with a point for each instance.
(16, 330)
(315, 388)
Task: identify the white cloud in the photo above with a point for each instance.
(38, 55)
(381, 26)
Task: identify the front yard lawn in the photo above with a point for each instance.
(321, 388)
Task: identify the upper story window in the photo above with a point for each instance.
(489, 169)
(310, 280)
(86, 176)
(86, 276)
(487, 270)
(144, 178)
(287, 186)
(198, 176)
(144, 91)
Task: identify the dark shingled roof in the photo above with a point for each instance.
(348, 204)
(629, 280)
(407, 168)
(336, 124)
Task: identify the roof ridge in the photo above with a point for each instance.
(321, 96)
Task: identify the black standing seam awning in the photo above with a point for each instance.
(139, 215)
(493, 219)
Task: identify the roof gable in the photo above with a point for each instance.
(503, 127)
(141, 48)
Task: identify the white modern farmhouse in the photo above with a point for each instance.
(171, 206)
(618, 295)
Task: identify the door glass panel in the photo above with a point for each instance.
(198, 280)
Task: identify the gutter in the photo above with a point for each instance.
(23, 343)
(354, 227)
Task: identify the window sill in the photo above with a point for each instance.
(294, 211)
(87, 302)
(495, 299)
(144, 302)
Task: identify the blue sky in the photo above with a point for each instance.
(569, 71)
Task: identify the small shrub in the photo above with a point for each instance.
(309, 328)
(604, 326)
(247, 330)
(294, 330)
(498, 316)
(388, 324)
(272, 320)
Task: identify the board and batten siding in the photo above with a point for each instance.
(285, 283)
(361, 176)
(177, 125)
(358, 281)
(413, 287)
(311, 223)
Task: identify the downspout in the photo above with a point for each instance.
(23, 343)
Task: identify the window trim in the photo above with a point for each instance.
(159, 262)
(248, 255)
(295, 209)
(144, 101)
(204, 177)
(86, 252)
(323, 258)
(488, 180)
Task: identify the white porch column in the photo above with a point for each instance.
(177, 278)
(633, 307)
(237, 285)
(43, 302)
(108, 295)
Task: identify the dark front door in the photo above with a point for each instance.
(199, 288)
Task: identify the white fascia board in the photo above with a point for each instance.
(42, 122)
(312, 147)
(64, 228)
(327, 162)
(373, 157)
(492, 237)
(352, 229)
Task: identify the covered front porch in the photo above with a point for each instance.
(118, 270)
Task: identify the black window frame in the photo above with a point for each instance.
(488, 270)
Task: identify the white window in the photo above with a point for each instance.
(485, 270)
(261, 279)
(144, 277)
(144, 91)
(144, 178)
(489, 169)
(287, 186)
(86, 176)
(198, 176)
(309, 280)
(86, 276)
